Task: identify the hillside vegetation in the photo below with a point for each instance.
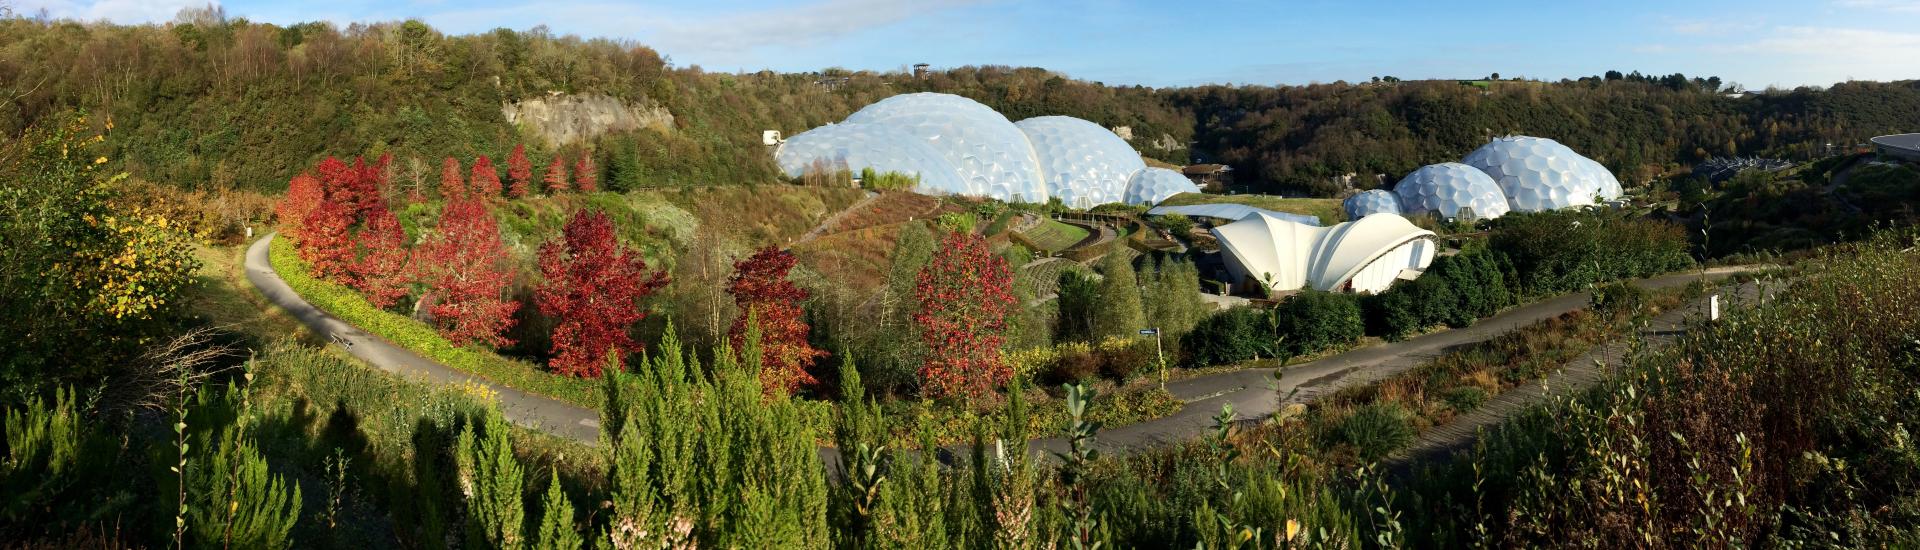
(211, 102)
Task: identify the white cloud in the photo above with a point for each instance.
(1719, 26)
(117, 11)
(1896, 6)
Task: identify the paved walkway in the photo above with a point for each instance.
(1253, 392)
(834, 220)
(534, 411)
(1575, 375)
(1255, 395)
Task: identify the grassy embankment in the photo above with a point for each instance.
(1328, 210)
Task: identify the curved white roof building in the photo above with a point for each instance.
(1081, 162)
(1607, 187)
(1076, 161)
(1535, 173)
(1365, 255)
(992, 156)
(1451, 190)
(853, 146)
(1371, 201)
(1152, 185)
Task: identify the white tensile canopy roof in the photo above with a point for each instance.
(1365, 255)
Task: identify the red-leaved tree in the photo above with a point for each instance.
(464, 266)
(362, 189)
(326, 241)
(519, 172)
(452, 185)
(965, 295)
(593, 287)
(557, 177)
(586, 177)
(381, 272)
(486, 180)
(304, 194)
(765, 296)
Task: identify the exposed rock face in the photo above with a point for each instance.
(565, 118)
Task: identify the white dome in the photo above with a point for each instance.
(1081, 156)
(1449, 188)
(991, 155)
(1371, 201)
(1152, 185)
(1535, 173)
(854, 147)
(1606, 186)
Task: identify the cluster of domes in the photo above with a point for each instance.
(956, 146)
(1514, 173)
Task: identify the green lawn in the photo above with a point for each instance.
(1327, 209)
(1055, 236)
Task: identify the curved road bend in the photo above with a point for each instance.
(1253, 392)
(534, 411)
(1250, 390)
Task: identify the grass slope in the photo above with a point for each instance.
(1054, 236)
(1327, 209)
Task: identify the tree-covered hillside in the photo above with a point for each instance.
(208, 101)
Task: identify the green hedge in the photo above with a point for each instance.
(420, 338)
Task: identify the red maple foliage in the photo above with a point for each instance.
(760, 286)
(586, 177)
(337, 178)
(519, 172)
(486, 180)
(381, 272)
(965, 295)
(304, 194)
(593, 287)
(452, 184)
(326, 240)
(557, 176)
(464, 266)
(363, 187)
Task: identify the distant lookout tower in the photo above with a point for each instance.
(920, 70)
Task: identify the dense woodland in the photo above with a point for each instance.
(212, 102)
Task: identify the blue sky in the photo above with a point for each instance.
(1753, 42)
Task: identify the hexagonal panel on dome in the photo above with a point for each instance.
(1451, 190)
(854, 147)
(1371, 201)
(1152, 185)
(1607, 187)
(1082, 156)
(991, 155)
(1535, 173)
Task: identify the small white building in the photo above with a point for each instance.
(1366, 255)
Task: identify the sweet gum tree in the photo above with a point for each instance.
(519, 172)
(557, 176)
(760, 287)
(464, 267)
(486, 180)
(452, 184)
(380, 272)
(592, 287)
(965, 295)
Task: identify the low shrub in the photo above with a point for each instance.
(1314, 321)
(1376, 430)
(1466, 398)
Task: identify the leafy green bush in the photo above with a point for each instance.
(1376, 429)
(1231, 336)
(1313, 321)
(1465, 398)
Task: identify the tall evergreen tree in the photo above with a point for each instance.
(1118, 311)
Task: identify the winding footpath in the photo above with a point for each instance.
(531, 410)
(1253, 392)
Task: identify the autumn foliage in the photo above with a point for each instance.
(304, 194)
(463, 267)
(586, 177)
(965, 295)
(326, 240)
(761, 289)
(486, 180)
(381, 272)
(452, 184)
(557, 176)
(519, 172)
(593, 287)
